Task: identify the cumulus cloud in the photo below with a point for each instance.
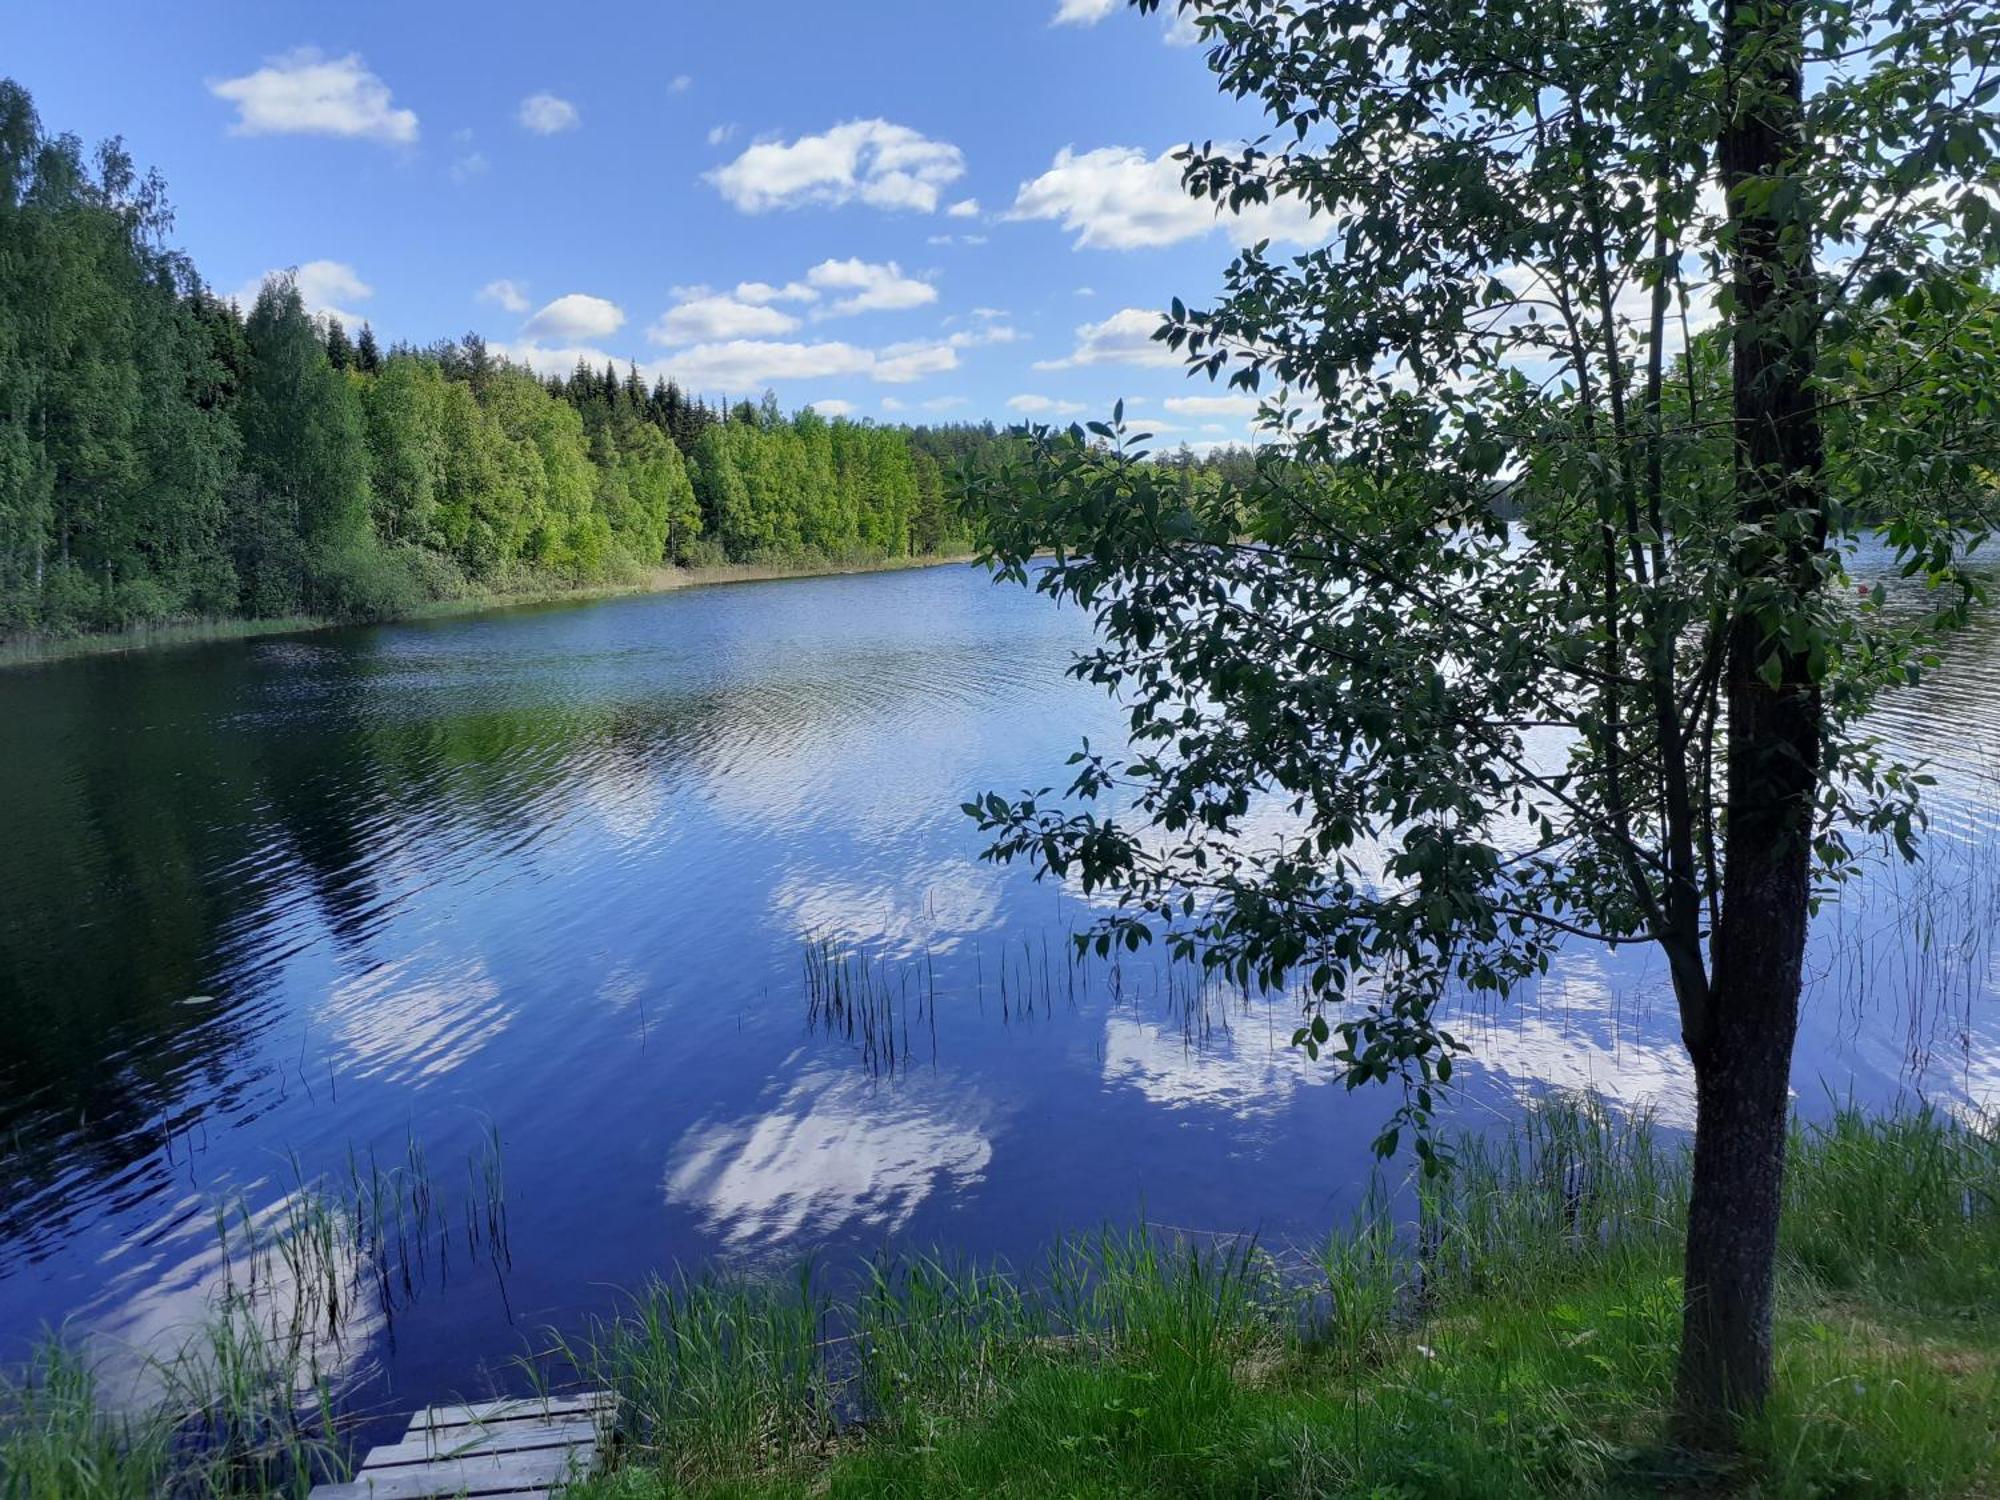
(965, 208)
(1044, 406)
(869, 287)
(1124, 338)
(1084, 12)
(545, 114)
(750, 311)
(1119, 198)
(874, 162)
(702, 315)
(833, 408)
(305, 92)
(680, 83)
(511, 295)
(327, 288)
(1212, 406)
(720, 134)
(575, 318)
(739, 364)
(747, 364)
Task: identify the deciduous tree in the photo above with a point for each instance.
(1637, 713)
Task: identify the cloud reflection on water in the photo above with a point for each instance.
(835, 1153)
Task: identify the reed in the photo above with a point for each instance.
(1513, 1334)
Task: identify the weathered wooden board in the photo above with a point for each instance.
(427, 1445)
(523, 1449)
(480, 1413)
(492, 1475)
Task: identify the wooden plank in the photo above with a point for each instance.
(471, 1442)
(585, 1403)
(506, 1474)
(507, 1424)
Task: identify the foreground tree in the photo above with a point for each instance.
(1698, 295)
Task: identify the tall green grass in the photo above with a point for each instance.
(1514, 1336)
(1507, 1330)
(251, 1401)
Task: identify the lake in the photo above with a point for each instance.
(559, 876)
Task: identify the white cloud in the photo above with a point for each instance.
(875, 162)
(965, 208)
(870, 287)
(763, 291)
(834, 408)
(1084, 12)
(890, 403)
(993, 333)
(740, 364)
(305, 92)
(703, 316)
(1124, 338)
(751, 313)
(511, 295)
(575, 317)
(1119, 198)
(720, 134)
(1212, 406)
(472, 164)
(545, 114)
(1086, 291)
(1044, 406)
(1181, 30)
(944, 403)
(324, 287)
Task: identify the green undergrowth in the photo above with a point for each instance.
(28, 650)
(1519, 1342)
(1511, 1332)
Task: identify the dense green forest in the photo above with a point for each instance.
(166, 454)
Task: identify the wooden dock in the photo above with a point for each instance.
(494, 1450)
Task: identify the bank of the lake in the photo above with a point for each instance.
(1527, 1350)
(34, 650)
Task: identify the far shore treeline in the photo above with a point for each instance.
(165, 454)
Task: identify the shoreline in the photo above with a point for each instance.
(32, 651)
(1513, 1338)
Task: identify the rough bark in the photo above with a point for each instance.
(1741, 1043)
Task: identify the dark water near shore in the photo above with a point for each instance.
(550, 873)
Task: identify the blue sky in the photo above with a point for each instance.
(900, 209)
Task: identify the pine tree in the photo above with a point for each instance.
(339, 350)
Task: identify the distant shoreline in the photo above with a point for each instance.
(32, 651)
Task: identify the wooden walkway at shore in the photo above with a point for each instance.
(494, 1450)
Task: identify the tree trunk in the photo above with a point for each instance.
(1741, 1043)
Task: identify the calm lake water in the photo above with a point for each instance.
(269, 907)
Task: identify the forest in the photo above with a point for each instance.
(166, 454)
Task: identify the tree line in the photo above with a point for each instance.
(165, 453)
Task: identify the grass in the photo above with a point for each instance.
(1519, 1340)
(33, 650)
(1515, 1338)
(248, 1404)
(38, 649)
